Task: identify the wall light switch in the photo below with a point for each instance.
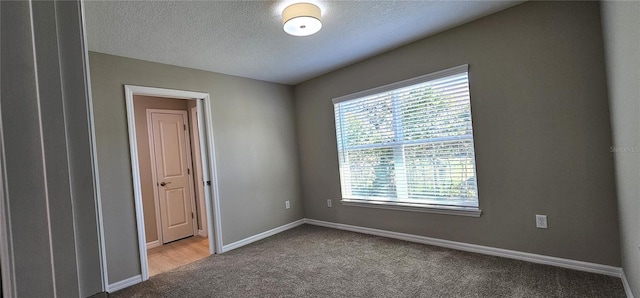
(329, 204)
(287, 205)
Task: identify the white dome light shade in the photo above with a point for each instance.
(302, 26)
(301, 19)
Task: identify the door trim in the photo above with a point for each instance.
(205, 128)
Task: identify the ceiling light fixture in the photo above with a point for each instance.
(301, 19)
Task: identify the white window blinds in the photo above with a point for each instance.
(409, 142)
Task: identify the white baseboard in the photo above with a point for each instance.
(254, 238)
(505, 253)
(202, 233)
(124, 283)
(625, 284)
(153, 244)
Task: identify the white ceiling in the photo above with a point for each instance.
(245, 38)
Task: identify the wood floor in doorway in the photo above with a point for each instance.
(176, 254)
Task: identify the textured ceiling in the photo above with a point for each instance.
(245, 38)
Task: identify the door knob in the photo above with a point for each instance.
(164, 183)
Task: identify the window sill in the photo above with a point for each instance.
(448, 210)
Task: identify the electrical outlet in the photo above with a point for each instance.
(329, 204)
(541, 221)
(287, 205)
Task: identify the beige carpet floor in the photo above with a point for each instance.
(311, 261)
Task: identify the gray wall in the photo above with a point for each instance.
(621, 25)
(140, 105)
(541, 126)
(48, 175)
(254, 130)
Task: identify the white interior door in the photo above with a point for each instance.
(172, 174)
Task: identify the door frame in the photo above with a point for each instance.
(209, 172)
(154, 178)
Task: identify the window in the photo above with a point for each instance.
(409, 144)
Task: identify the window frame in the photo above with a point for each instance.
(399, 205)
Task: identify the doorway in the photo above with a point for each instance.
(180, 179)
(166, 170)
